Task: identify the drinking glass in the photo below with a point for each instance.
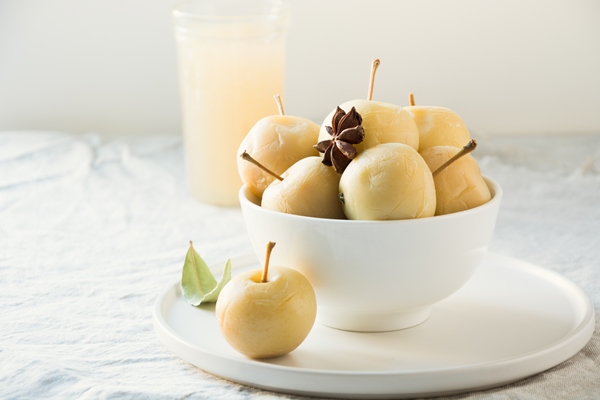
(231, 56)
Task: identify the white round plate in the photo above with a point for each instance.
(510, 321)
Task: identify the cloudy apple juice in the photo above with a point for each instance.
(230, 66)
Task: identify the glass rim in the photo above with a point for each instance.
(282, 14)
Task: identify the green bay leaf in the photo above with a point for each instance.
(196, 279)
(198, 284)
(214, 294)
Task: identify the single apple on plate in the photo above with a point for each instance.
(266, 313)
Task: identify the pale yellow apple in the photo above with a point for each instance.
(460, 185)
(439, 126)
(308, 188)
(388, 181)
(382, 122)
(277, 142)
(270, 319)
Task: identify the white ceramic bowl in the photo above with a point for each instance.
(375, 276)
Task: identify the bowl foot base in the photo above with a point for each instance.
(370, 321)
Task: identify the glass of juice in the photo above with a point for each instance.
(231, 56)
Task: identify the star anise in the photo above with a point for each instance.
(345, 132)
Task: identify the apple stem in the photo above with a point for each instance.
(463, 152)
(411, 99)
(279, 104)
(265, 272)
(247, 157)
(374, 66)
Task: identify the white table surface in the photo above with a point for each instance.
(92, 229)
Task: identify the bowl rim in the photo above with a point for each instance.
(495, 189)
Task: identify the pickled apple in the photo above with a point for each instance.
(277, 142)
(387, 182)
(439, 126)
(382, 122)
(309, 188)
(460, 185)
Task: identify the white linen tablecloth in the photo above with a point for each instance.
(92, 229)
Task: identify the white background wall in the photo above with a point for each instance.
(506, 66)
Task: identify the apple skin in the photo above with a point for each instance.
(383, 123)
(439, 126)
(387, 182)
(460, 185)
(270, 319)
(309, 188)
(277, 142)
